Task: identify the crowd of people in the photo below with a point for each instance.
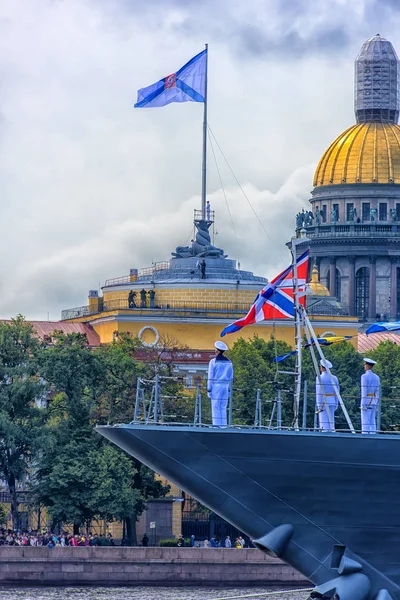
(8, 537)
(49, 539)
(214, 542)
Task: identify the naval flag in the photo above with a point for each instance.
(275, 301)
(186, 85)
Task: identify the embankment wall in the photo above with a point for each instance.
(142, 566)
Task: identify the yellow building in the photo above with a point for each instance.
(171, 304)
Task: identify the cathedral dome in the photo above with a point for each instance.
(317, 288)
(364, 153)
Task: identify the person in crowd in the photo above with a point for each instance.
(370, 387)
(181, 541)
(213, 542)
(145, 540)
(143, 298)
(220, 375)
(327, 401)
(206, 543)
(192, 540)
(228, 543)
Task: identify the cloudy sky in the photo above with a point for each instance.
(90, 187)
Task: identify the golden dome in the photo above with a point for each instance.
(364, 153)
(316, 287)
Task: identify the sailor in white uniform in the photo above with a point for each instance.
(327, 401)
(220, 375)
(370, 386)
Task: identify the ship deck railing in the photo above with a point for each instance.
(269, 410)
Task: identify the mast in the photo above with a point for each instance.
(204, 164)
(298, 337)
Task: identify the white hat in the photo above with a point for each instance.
(369, 361)
(220, 346)
(325, 363)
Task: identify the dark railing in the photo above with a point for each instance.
(189, 306)
(324, 310)
(353, 230)
(187, 273)
(75, 313)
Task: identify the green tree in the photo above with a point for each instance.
(348, 367)
(3, 514)
(387, 356)
(254, 369)
(81, 476)
(20, 417)
(116, 402)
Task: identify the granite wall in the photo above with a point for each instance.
(142, 566)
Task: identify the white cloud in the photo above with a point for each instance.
(90, 187)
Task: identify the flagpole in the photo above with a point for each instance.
(204, 164)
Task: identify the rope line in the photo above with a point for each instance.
(265, 594)
(222, 185)
(239, 184)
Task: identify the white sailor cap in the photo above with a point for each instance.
(221, 346)
(369, 361)
(325, 363)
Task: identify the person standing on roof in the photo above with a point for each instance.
(327, 401)
(370, 386)
(208, 210)
(220, 375)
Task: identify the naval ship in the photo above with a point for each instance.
(327, 503)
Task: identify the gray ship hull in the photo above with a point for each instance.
(336, 490)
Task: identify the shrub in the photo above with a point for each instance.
(173, 542)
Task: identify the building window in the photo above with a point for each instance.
(336, 211)
(382, 211)
(350, 211)
(323, 213)
(362, 292)
(366, 212)
(338, 285)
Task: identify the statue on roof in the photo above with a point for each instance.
(201, 246)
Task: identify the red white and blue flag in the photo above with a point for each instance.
(275, 301)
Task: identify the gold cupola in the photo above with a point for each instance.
(364, 153)
(317, 288)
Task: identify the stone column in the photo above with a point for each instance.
(393, 289)
(352, 285)
(372, 288)
(332, 276)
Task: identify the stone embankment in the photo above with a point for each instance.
(142, 566)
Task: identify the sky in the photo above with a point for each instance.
(91, 187)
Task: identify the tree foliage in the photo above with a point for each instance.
(80, 475)
(20, 417)
(254, 369)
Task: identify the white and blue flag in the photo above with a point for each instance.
(186, 85)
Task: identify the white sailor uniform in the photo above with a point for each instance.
(370, 384)
(327, 401)
(220, 375)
